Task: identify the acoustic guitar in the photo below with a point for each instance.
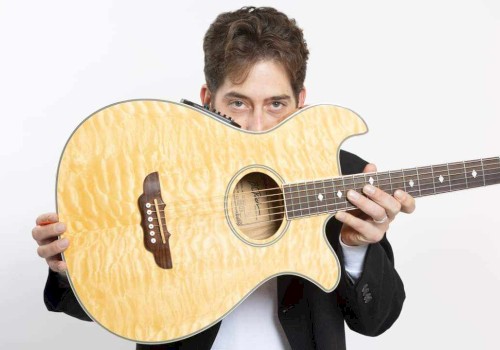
(175, 214)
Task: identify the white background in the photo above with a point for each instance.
(425, 75)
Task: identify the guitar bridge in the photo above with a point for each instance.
(153, 221)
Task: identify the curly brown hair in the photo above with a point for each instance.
(235, 41)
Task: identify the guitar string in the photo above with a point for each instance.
(359, 176)
(345, 205)
(444, 188)
(345, 187)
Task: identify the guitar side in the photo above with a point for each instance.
(198, 159)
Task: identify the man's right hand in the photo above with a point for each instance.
(45, 233)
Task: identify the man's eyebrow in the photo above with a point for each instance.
(280, 97)
(234, 94)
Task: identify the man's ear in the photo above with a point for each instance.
(205, 95)
(302, 98)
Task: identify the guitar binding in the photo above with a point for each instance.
(212, 112)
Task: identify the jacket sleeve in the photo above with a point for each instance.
(373, 303)
(59, 297)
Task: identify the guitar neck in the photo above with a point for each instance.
(329, 195)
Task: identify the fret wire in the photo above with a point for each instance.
(344, 192)
(404, 180)
(332, 201)
(326, 194)
(300, 200)
(433, 177)
(316, 192)
(390, 181)
(333, 193)
(449, 177)
(330, 195)
(484, 177)
(294, 192)
(293, 203)
(308, 207)
(418, 179)
(285, 206)
(465, 173)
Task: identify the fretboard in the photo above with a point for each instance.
(329, 195)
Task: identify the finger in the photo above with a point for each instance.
(52, 249)
(390, 205)
(369, 231)
(56, 264)
(406, 200)
(367, 206)
(41, 233)
(47, 218)
(370, 168)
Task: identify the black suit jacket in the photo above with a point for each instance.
(311, 318)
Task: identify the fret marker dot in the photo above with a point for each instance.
(153, 240)
(411, 183)
(441, 178)
(474, 174)
(339, 194)
(371, 181)
(320, 197)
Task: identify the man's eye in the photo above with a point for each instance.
(277, 104)
(237, 103)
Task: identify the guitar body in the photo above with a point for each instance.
(211, 177)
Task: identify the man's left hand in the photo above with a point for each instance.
(375, 212)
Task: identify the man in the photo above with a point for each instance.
(255, 66)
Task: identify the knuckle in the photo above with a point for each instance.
(359, 225)
(397, 206)
(42, 218)
(410, 206)
(379, 236)
(35, 233)
(41, 252)
(54, 266)
(376, 235)
(47, 218)
(380, 213)
(349, 221)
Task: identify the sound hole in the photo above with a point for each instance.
(258, 207)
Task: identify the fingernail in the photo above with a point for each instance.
(63, 243)
(351, 194)
(60, 227)
(369, 189)
(399, 194)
